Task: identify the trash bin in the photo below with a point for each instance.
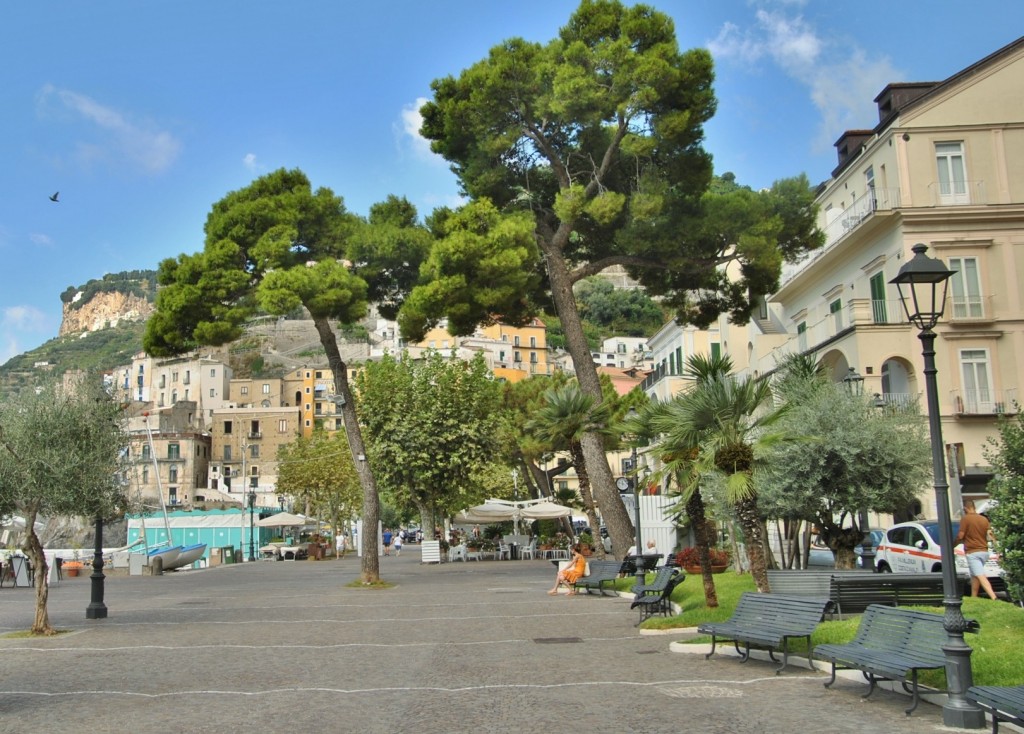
(228, 554)
(216, 558)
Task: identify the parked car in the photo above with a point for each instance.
(913, 547)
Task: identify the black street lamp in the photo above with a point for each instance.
(252, 528)
(280, 502)
(97, 609)
(854, 383)
(634, 484)
(924, 300)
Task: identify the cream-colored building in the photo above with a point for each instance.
(164, 381)
(942, 167)
(168, 455)
(245, 444)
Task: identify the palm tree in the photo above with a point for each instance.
(725, 424)
(567, 413)
(678, 460)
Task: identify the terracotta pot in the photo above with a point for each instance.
(695, 570)
(72, 572)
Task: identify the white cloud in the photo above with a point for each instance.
(142, 144)
(409, 130)
(840, 80)
(23, 318)
(42, 240)
(249, 161)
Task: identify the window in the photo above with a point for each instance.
(620, 348)
(515, 341)
(952, 179)
(213, 372)
(878, 308)
(174, 396)
(266, 388)
(319, 375)
(517, 356)
(966, 288)
(254, 451)
(172, 495)
(213, 392)
(716, 350)
(801, 336)
(227, 457)
(282, 426)
(145, 475)
(172, 474)
(173, 451)
(245, 389)
(533, 358)
(254, 429)
(835, 310)
(533, 341)
(977, 381)
(188, 375)
(174, 377)
(869, 180)
(145, 451)
(227, 427)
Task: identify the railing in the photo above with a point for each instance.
(957, 193)
(900, 401)
(255, 434)
(984, 402)
(851, 217)
(970, 308)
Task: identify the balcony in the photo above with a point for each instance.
(984, 402)
(850, 218)
(957, 193)
(255, 434)
(970, 309)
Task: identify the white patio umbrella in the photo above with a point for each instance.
(282, 520)
(490, 511)
(545, 509)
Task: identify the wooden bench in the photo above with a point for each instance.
(656, 597)
(891, 644)
(768, 621)
(601, 573)
(1004, 703)
(815, 583)
(853, 592)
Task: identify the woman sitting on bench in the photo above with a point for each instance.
(571, 573)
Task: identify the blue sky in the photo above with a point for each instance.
(143, 114)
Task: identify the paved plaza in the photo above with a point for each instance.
(274, 647)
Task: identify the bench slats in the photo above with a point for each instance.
(890, 644)
(601, 572)
(767, 620)
(1004, 703)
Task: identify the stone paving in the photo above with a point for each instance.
(467, 647)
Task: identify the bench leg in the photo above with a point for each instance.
(917, 698)
(831, 680)
(744, 653)
(714, 642)
(872, 681)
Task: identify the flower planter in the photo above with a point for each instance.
(695, 570)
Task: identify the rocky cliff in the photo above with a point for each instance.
(108, 301)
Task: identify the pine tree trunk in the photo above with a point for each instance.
(616, 519)
(371, 502)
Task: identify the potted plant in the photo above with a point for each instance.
(689, 560)
(586, 541)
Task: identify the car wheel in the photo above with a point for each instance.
(883, 567)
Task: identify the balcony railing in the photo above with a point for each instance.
(851, 217)
(970, 308)
(255, 434)
(984, 402)
(957, 193)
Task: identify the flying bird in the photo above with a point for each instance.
(55, 195)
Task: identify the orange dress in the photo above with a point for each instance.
(575, 571)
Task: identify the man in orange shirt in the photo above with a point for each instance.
(975, 533)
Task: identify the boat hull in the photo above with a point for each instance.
(187, 555)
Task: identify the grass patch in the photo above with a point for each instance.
(26, 634)
(995, 661)
(359, 584)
